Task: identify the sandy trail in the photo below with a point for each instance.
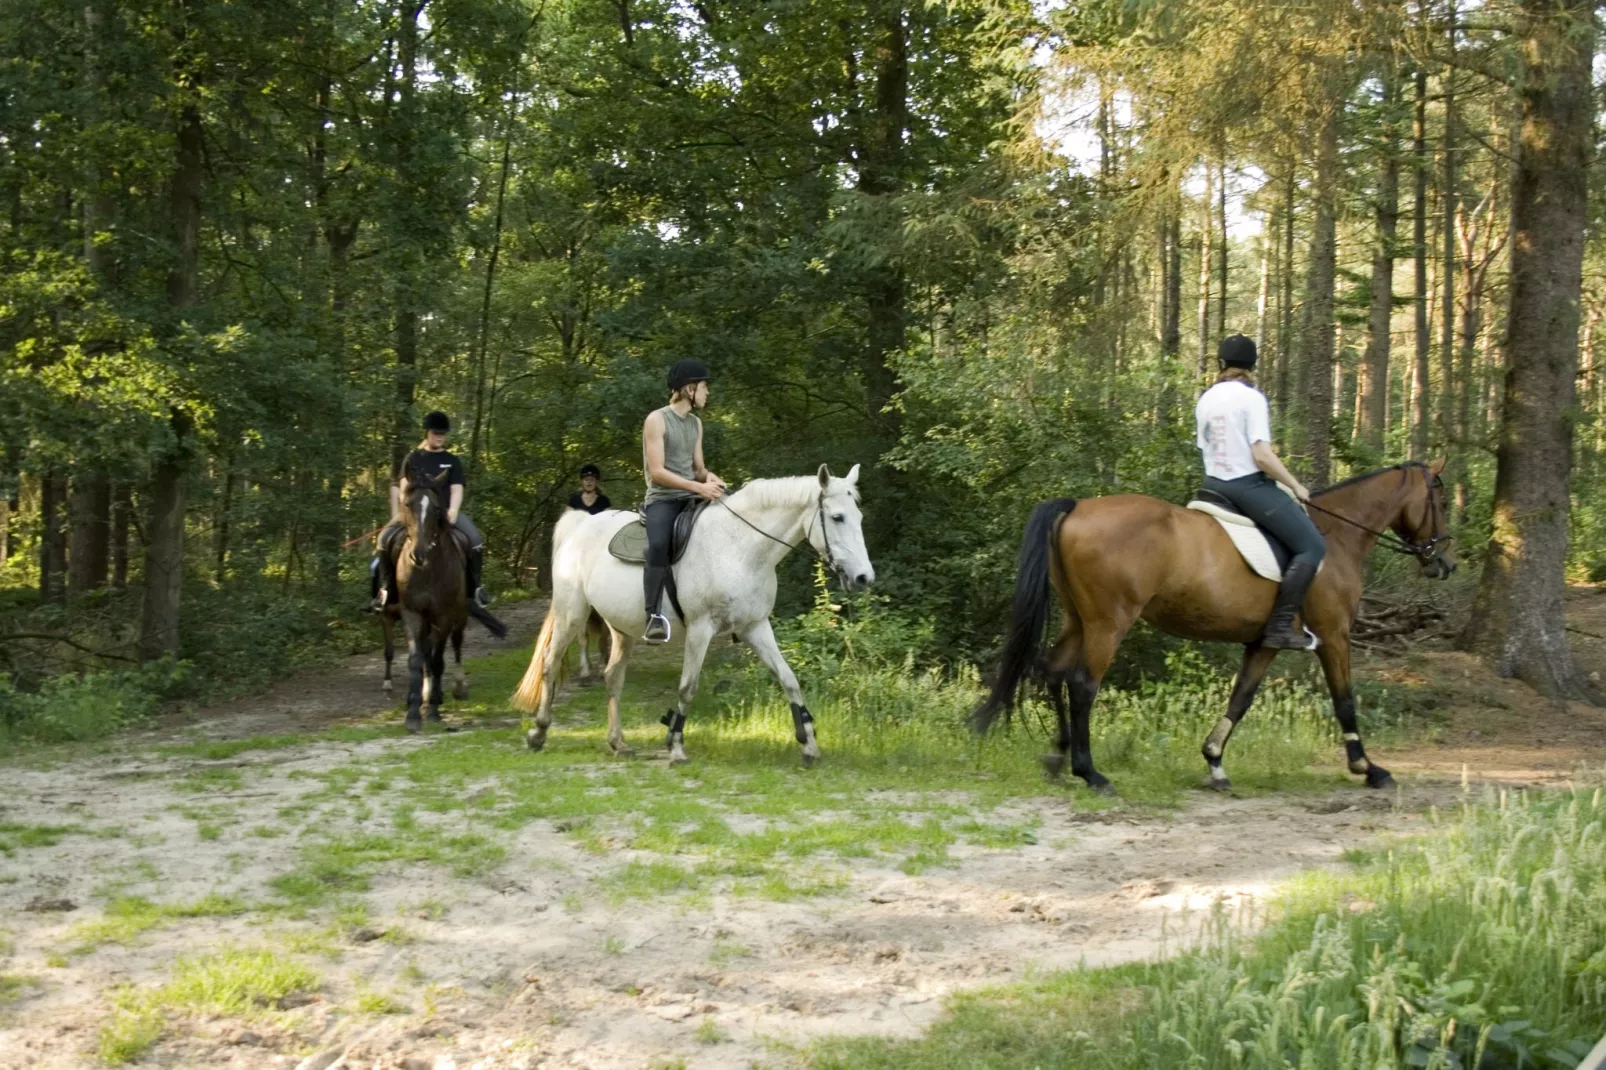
(530, 966)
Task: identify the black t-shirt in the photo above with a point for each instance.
(577, 501)
(424, 465)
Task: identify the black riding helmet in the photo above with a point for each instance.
(686, 372)
(1237, 351)
(437, 421)
(590, 470)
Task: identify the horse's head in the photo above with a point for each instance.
(423, 514)
(836, 529)
(1424, 523)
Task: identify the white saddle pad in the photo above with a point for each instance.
(1249, 539)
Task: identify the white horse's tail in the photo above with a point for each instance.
(528, 696)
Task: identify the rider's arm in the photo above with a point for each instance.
(455, 504)
(395, 500)
(1272, 465)
(652, 441)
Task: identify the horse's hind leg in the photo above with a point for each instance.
(614, 677)
(460, 683)
(698, 635)
(1334, 655)
(557, 645)
(1092, 657)
(761, 637)
(437, 669)
(1257, 659)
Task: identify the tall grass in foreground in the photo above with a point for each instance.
(1481, 945)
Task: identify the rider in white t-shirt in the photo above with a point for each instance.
(1234, 436)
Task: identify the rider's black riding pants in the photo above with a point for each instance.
(1259, 498)
(661, 516)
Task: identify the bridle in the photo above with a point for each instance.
(829, 557)
(1422, 551)
(418, 523)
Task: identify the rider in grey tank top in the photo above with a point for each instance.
(680, 455)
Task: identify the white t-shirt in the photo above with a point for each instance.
(1231, 417)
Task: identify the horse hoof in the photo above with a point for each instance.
(1054, 766)
(460, 690)
(434, 717)
(535, 739)
(678, 759)
(414, 725)
(1104, 788)
(388, 688)
(809, 760)
(621, 749)
(1217, 784)
(1378, 778)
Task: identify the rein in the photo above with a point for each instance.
(828, 557)
(1388, 539)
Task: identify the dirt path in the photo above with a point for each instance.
(533, 958)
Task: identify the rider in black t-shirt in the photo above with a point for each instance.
(429, 460)
(589, 498)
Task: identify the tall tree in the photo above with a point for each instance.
(1518, 621)
(1319, 348)
(1419, 239)
(1371, 409)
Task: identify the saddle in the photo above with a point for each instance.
(1264, 553)
(629, 543)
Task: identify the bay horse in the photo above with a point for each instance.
(389, 618)
(1115, 559)
(433, 594)
(725, 581)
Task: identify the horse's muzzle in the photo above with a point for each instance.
(859, 582)
(1439, 568)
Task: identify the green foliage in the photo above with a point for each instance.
(1476, 946)
(71, 708)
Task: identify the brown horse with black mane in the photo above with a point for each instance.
(1113, 560)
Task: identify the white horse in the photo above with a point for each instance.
(725, 582)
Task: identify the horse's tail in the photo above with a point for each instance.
(528, 696)
(487, 618)
(1028, 614)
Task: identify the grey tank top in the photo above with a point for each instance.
(680, 454)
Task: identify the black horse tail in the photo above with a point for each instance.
(1028, 614)
(484, 616)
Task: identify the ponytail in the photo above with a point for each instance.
(1232, 373)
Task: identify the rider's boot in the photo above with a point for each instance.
(381, 583)
(1280, 632)
(475, 567)
(653, 579)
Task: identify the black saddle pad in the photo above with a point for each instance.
(629, 543)
(1220, 501)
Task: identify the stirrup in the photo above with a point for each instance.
(649, 637)
(481, 597)
(1305, 639)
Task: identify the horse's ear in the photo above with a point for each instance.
(825, 476)
(852, 478)
(1437, 466)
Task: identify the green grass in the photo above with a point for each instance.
(126, 918)
(15, 837)
(1482, 944)
(235, 983)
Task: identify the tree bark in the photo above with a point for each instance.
(404, 427)
(1519, 621)
(1171, 331)
(1317, 362)
(1206, 269)
(1285, 308)
(1371, 410)
(881, 176)
(89, 519)
(164, 550)
(1221, 220)
(122, 508)
(1448, 201)
(52, 539)
(1419, 223)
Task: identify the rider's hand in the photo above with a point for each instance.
(709, 477)
(451, 518)
(1301, 492)
(710, 491)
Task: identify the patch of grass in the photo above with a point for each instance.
(134, 1026)
(613, 945)
(210, 779)
(1483, 944)
(235, 983)
(709, 1032)
(14, 987)
(266, 832)
(370, 1002)
(334, 867)
(725, 951)
(15, 837)
(126, 918)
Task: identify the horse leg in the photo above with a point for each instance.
(761, 637)
(614, 676)
(1334, 656)
(1100, 640)
(698, 635)
(552, 655)
(437, 669)
(460, 684)
(387, 626)
(1257, 659)
(415, 672)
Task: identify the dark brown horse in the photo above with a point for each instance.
(1113, 560)
(389, 618)
(433, 593)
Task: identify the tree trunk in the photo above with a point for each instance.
(881, 177)
(1171, 331)
(1371, 410)
(164, 549)
(122, 509)
(1285, 327)
(404, 428)
(52, 539)
(1263, 295)
(1519, 621)
(90, 524)
(1317, 371)
(1448, 200)
(1206, 268)
(1221, 220)
(1419, 223)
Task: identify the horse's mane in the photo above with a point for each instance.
(1364, 476)
(785, 490)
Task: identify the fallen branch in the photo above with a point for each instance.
(48, 637)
